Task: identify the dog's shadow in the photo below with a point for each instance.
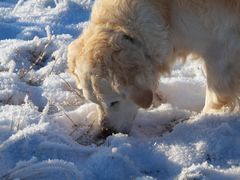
(148, 123)
(158, 121)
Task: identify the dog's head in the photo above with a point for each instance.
(114, 69)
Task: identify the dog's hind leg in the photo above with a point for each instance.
(217, 103)
(222, 67)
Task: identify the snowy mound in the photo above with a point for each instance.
(47, 129)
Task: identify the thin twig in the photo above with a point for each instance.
(37, 61)
(74, 124)
(70, 87)
(74, 130)
(55, 62)
(87, 132)
(9, 99)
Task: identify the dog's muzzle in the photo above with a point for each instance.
(105, 130)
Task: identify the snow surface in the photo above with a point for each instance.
(47, 129)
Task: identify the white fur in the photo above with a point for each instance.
(129, 44)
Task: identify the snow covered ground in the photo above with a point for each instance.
(46, 127)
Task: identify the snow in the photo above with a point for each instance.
(47, 129)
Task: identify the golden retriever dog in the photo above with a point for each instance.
(128, 44)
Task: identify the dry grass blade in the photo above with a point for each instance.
(71, 88)
(69, 118)
(37, 61)
(87, 132)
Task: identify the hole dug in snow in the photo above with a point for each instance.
(83, 123)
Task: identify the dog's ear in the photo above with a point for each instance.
(141, 96)
(74, 52)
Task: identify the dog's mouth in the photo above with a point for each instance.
(94, 132)
(105, 132)
(105, 129)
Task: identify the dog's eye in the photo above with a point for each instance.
(128, 38)
(114, 103)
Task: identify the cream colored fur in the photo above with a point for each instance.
(129, 44)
